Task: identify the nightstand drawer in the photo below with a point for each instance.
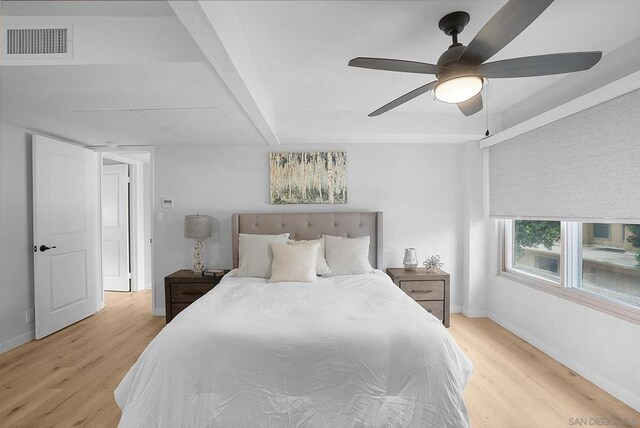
(430, 290)
(176, 308)
(436, 308)
(424, 290)
(188, 292)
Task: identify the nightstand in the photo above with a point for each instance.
(183, 287)
(429, 290)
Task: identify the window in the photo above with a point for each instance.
(536, 248)
(594, 261)
(600, 230)
(612, 269)
(548, 264)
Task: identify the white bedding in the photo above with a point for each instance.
(346, 351)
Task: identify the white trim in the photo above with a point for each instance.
(474, 313)
(597, 96)
(617, 391)
(12, 343)
(159, 312)
(577, 295)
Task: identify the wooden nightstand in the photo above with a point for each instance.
(430, 290)
(183, 287)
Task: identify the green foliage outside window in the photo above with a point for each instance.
(531, 233)
(635, 240)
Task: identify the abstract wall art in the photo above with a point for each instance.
(308, 178)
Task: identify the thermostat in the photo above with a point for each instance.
(167, 202)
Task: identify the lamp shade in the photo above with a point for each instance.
(197, 226)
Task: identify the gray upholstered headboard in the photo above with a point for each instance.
(312, 226)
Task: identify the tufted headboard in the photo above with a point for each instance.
(312, 226)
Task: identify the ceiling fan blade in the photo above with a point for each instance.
(502, 28)
(403, 99)
(541, 65)
(394, 65)
(472, 105)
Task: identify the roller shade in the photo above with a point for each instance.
(585, 167)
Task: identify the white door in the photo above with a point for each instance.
(115, 227)
(64, 224)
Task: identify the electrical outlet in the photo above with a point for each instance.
(160, 217)
(30, 314)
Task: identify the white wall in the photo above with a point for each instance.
(474, 228)
(600, 347)
(420, 189)
(16, 237)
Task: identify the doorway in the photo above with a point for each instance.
(115, 199)
(126, 221)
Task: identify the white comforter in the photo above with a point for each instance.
(347, 351)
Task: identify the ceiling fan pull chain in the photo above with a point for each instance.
(486, 104)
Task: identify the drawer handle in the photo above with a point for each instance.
(429, 310)
(422, 291)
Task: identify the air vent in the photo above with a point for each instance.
(37, 42)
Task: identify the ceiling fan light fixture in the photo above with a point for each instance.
(459, 89)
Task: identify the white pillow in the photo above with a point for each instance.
(347, 256)
(254, 254)
(294, 263)
(322, 268)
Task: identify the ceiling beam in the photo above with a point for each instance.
(614, 66)
(215, 29)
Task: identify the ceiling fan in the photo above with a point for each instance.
(461, 70)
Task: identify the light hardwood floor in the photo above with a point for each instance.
(516, 385)
(68, 379)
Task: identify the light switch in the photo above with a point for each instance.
(160, 217)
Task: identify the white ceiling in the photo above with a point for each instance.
(136, 78)
(302, 47)
(152, 72)
(86, 8)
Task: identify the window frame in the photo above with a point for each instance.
(570, 272)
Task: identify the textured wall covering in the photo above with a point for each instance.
(583, 167)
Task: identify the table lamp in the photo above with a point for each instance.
(197, 227)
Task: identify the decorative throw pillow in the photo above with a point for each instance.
(322, 268)
(254, 254)
(294, 263)
(346, 256)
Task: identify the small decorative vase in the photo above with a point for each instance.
(410, 259)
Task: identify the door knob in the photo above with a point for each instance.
(44, 248)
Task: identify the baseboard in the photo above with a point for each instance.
(159, 312)
(8, 345)
(603, 383)
(455, 309)
(474, 313)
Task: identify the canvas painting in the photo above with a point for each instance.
(308, 178)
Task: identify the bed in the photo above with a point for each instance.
(345, 351)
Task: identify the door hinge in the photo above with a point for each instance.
(129, 275)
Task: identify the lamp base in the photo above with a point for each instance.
(197, 272)
(198, 265)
